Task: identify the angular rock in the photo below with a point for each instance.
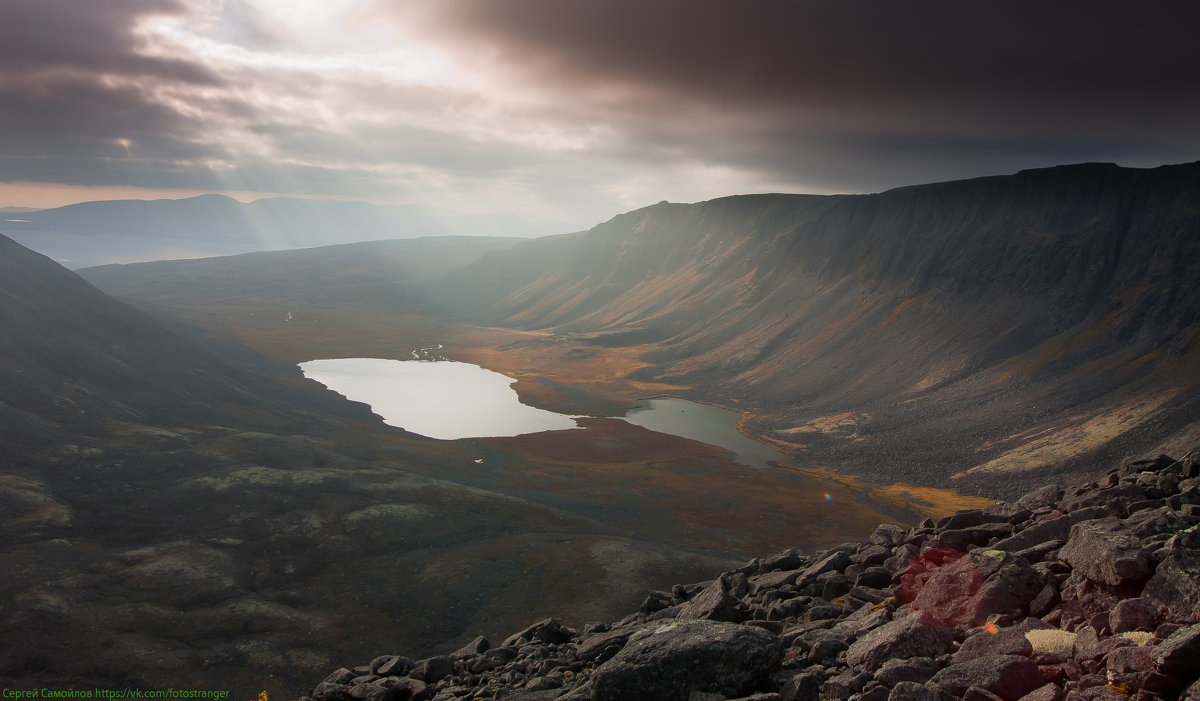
(546, 631)
(887, 534)
(1049, 495)
(844, 685)
(773, 580)
(834, 561)
(805, 686)
(670, 661)
(713, 604)
(1008, 676)
(1049, 692)
(1133, 614)
(1151, 522)
(657, 601)
(433, 670)
(1128, 667)
(900, 639)
(915, 669)
(1175, 587)
(971, 588)
(1179, 654)
(1105, 551)
(1005, 641)
(1058, 528)
(912, 691)
(1133, 467)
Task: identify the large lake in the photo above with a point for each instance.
(447, 400)
(442, 399)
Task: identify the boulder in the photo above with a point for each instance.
(547, 631)
(912, 691)
(1105, 551)
(713, 604)
(1048, 692)
(1004, 641)
(914, 669)
(966, 591)
(1128, 667)
(1175, 587)
(1008, 676)
(1179, 654)
(900, 639)
(671, 661)
(1057, 528)
(1049, 495)
(1133, 614)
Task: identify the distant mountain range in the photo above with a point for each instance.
(94, 233)
(980, 333)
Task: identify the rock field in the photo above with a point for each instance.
(1091, 592)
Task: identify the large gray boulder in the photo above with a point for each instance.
(1175, 586)
(1105, 551)
(907, 637)
(1008, 676)
(670, 661)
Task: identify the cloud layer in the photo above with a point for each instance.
(581, 109)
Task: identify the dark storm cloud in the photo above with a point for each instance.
(96, 38)
(872, 82)
(77, 99)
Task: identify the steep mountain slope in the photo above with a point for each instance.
(170, 519)
(1009, 323)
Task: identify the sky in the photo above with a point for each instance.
(576, 110)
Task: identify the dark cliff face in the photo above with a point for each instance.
(945, 309)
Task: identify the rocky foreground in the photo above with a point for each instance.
(1088, 593)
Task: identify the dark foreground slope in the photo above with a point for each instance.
(1090, 593)
(171, 518)
(983, 329)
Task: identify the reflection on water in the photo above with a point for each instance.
(700, 422)
(441, 399)
(447, 400)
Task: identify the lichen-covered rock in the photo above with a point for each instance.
(670, 661)
(908, 637)
(1175, 586)
(1105, 551)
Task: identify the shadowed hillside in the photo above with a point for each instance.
(1014, 323)
(178, 517)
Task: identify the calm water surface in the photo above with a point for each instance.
(700, 422)
(441, 399)
(447, 400)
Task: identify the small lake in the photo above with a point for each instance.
(442, 399)
(447, 400)
(704, 423)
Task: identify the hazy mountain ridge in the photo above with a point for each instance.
(287, 221)
(987, 307)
